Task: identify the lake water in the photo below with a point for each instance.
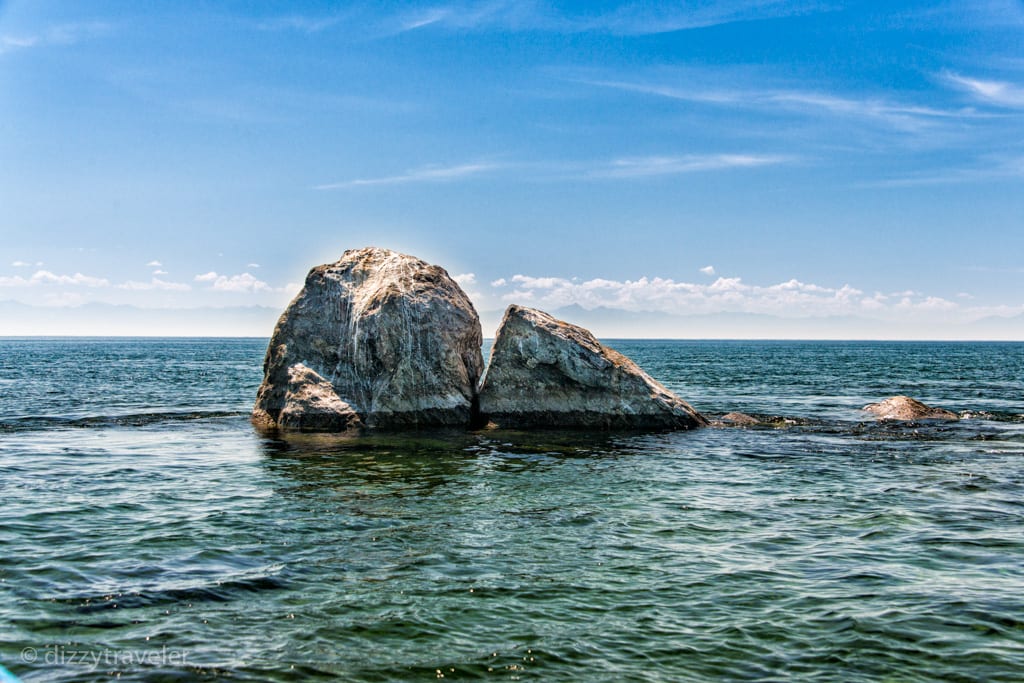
(147, 532)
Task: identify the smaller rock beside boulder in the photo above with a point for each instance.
(906, 408)
(545, 372)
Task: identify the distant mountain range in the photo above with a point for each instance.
(95, 319)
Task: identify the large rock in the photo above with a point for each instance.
(906, 408)
(378, 339)
(547, 373)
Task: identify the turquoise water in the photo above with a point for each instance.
(147, 532)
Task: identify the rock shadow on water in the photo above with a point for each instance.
(430, 458)
(558, 443)
(348, 458)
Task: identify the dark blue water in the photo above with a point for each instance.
(147, 533)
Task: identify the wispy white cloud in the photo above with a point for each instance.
(371, 23)
(425, 174)
(801, 102)
(649, 18)
(432, 15)
(627, 19)
(154, 264)
(241, 283)
(252, 265)
(598, 169)
(505, 15)
(639, 167)
(61, 34)
(999, 93)
(708, 270)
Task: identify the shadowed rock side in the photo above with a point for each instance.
(547, 373)
(906, 408)
(378, 339)
(312, 405)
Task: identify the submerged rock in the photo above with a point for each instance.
(738, 420)
(547, 373)
(906, 408)
(378, 339)
(744, 420)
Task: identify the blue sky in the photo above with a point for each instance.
(794, 159)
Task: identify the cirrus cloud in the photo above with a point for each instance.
(999, 93)
(419, 175)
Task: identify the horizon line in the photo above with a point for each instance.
(951, 340)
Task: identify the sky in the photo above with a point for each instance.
(635, 162)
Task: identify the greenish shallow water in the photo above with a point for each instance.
(142, 517)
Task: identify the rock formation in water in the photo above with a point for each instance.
(547, 373)
(378, 339)
(738, 420)
(906, 408)
(744, 420)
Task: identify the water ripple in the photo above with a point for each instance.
(831, 548)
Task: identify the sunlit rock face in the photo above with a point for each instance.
(906, 408)
(545, 372)
(378, 340)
